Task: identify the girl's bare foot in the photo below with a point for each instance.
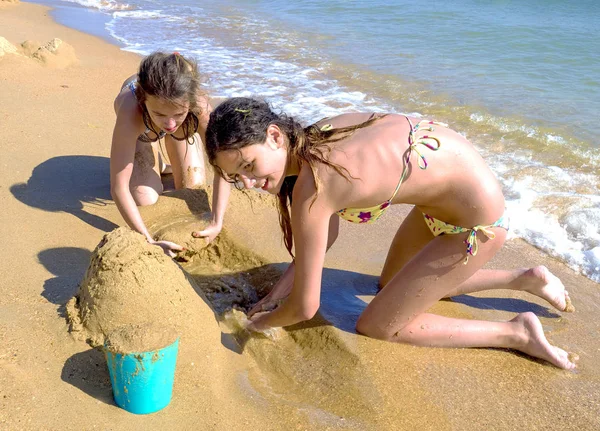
(541, 282)
(534, 342)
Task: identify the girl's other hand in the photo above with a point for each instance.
(170, 248)
(209, 233)
(255, 325)
(269, 302)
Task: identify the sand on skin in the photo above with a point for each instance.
(56, 209)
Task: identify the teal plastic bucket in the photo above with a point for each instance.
(142, 382)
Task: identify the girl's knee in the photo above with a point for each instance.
(386, 332)
(194, 177)
(368, 328)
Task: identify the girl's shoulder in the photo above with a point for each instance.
(129, 113)
(343, 120)
(323, 186)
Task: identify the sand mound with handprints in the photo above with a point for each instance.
(130, 282)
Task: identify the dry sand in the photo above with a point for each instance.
(56, 116)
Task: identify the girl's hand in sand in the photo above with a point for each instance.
(210, 233)
(271, 301)
(255, 324)
(170, 248)
(268, 303)
(277, 295)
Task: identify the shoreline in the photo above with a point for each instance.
(81, 18)
(58, 123)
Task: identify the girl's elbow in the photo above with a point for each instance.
(307, 311)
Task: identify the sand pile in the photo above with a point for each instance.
(55, 53)
(130, 281)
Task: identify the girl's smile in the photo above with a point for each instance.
(257, 166)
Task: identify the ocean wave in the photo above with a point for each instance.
(103, 5)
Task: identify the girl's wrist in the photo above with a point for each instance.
(217, 221)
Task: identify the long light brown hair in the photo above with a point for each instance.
(174, 78)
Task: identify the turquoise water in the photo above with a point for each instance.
(535, 59)
(521, 79)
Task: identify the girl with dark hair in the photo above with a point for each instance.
(162, 103)
(354, 166)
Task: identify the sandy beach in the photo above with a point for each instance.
(56, 115)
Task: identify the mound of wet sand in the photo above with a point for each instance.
(130, 282)
(312, 365)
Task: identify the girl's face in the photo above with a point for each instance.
(258, 165)
(168, 116)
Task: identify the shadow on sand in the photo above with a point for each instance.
(88, 372)
(68, 264)
(65, 183)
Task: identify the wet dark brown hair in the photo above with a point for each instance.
(174, 78)
(241, 121)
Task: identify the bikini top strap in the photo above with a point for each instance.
(412, 146)
(131, 85)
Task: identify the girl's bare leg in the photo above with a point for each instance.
(538, 281)
(145, 184)
(523, 333)
(414, 235)
(398, 312)
(187, 161)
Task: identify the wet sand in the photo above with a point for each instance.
(57, 121)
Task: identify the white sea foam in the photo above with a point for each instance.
(571, 233)
(140, 14)
(103, 5)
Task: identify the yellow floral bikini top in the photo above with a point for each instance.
(369, 215)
